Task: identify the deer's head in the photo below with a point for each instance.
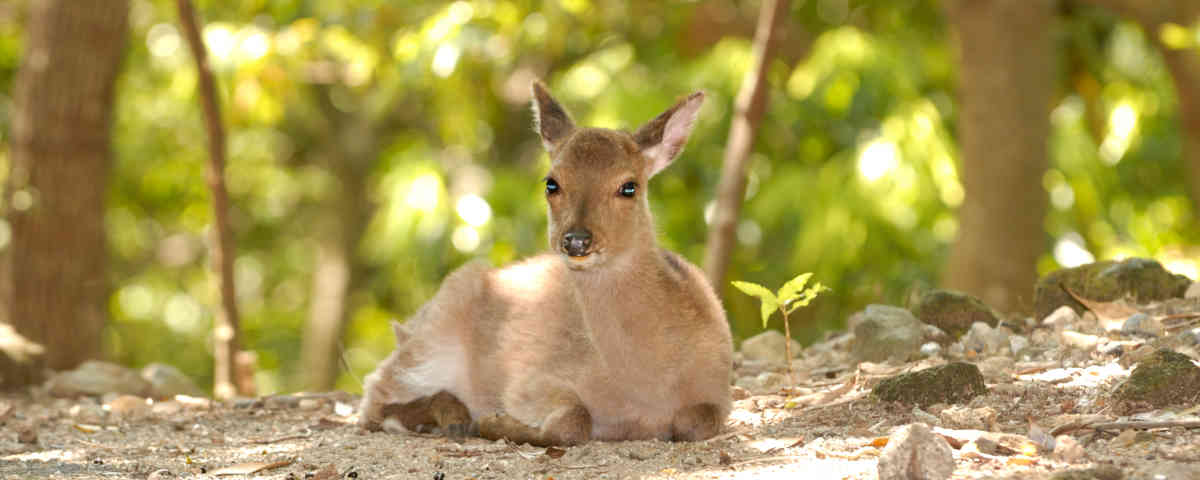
(596, 187)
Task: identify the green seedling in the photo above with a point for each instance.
(791, 296)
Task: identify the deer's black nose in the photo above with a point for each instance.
(576, 242)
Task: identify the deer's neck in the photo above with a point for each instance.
(623, 289)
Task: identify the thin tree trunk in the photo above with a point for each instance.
(1184, 66)
(226, 332)
(748, 112)
(335, 275)
(55, 193)
(350, 145)
(1005, 87)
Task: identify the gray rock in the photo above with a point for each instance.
(985, 340)
(167, 381)
(1143, 325)
(914, 451)
(94, 377)
(1193, 291)
(884, 332)
(996, 369)
(1063, 317)
(1018, 344)
(87, 413)
(768, 346)
(769, 382)
(930, 349)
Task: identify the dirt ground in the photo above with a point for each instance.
(826, 425)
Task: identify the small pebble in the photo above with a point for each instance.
(310, 403)
(27, 435)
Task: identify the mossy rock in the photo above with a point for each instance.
(953, 312)
(1143, 279)
(956, 382)
(1165, 378)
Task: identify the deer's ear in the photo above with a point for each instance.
(662, 139)
(549, 118)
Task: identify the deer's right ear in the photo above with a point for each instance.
(549, 118)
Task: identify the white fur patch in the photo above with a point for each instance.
(443, 368)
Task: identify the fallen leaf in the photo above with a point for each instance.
(1021, 460)
(328, 472)
(1112, 315)
(878, 442)
(251, 467)
(555, 452)
(723, 458)
(85, 428)
(1125, 438)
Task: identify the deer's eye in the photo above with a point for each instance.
(628, 189)
(551, 186)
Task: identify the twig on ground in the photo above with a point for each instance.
(1138, 425)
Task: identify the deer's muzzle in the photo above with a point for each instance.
(576, 242)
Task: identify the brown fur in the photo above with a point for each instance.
(625, 342)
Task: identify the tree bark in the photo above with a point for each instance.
(336, 270)
(748, 112)
(1005, 88)
(226, 330)
(56, 188)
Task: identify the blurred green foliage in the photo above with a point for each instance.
(854, 175)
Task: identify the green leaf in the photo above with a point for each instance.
(792, 288)
(806, 297)
(769, 302)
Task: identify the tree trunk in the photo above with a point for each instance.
(748, 112)
(335, 273)
(1005, 87)
(56, 187)
(226, 329)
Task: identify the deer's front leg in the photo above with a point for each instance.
(541, 412)
(696, 422)
(441, 412)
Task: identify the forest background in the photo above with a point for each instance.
(374, 146)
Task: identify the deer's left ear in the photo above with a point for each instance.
(663, 138)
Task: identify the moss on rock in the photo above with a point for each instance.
(956, 382)
(1165, 378)
(953, 312)
(1143, 279)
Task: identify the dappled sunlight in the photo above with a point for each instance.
(445, 60)
(465, 238)
(1070, 251)
(424, 192)
(474, 210)
(219, 38)
(1122, 122)
(1178, 37)
(878, 159)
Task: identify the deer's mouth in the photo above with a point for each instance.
(585, 260)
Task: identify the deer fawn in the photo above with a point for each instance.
(607, 337)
